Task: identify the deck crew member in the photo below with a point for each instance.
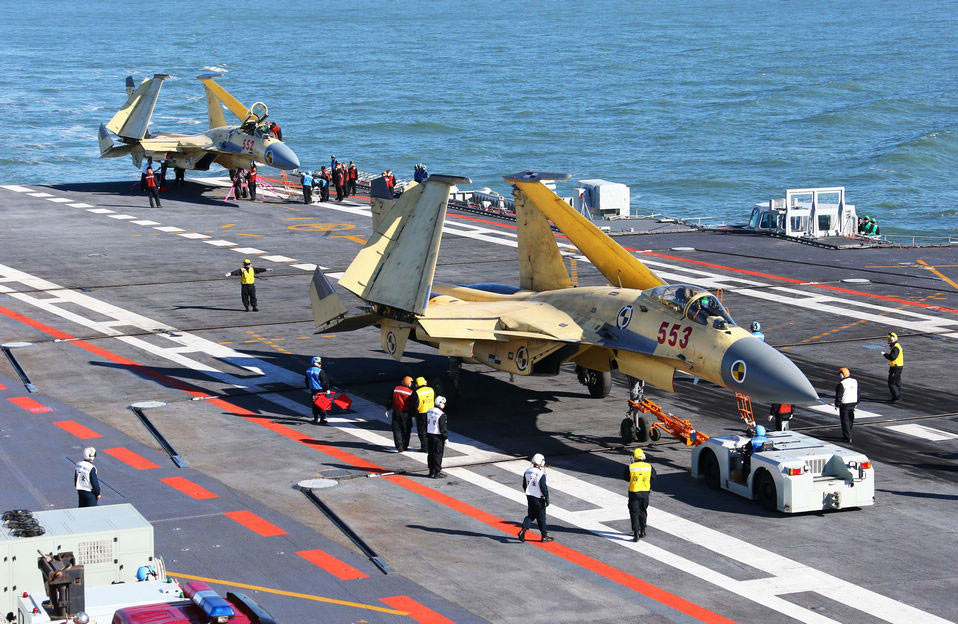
(307, 188)
(639, 474)
(247, 275)
(757, 331)
(276, 130)
(352, 174)
(420, 402)
(85, 479)
(537, 498)
(896, 361)
(251, 180)
(324, 186)
(178, 173)
(782, 413)
(152, 189)
(317, 382)
(755, 444)
(338, 182)
(436, 436)
(846, 398)
(147, 164)
(398, 405)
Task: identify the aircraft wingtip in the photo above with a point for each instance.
(537, 176)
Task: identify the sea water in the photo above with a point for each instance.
(702, 109)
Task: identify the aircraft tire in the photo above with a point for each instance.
(708, 466)
(642, 431)
(599, 383)
(627, 431)
(765, 492)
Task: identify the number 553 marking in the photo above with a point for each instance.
(672, 335)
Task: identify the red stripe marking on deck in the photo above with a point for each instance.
(30, 405)
(340, 569)
(419, 612)
(72, 426)
(2, 387)
(254, 523)
(245, 517)
(189, 488)
(130, 458)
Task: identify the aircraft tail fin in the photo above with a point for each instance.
(133, 120)
(540, 264)
(396, 266)
(618, 266)
(214, 106)
(214, 90)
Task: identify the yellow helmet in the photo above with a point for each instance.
(420, 382)
(893, 336)
(246, 261)
(638, 454)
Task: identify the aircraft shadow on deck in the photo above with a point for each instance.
(191, 192)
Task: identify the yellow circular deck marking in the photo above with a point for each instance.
(321, 227)
(280, 592)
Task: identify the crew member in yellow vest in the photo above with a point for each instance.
(896, 361)
(247, 276)
(421, 401)
(639, 474)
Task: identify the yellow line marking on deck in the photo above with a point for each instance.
(937, 272)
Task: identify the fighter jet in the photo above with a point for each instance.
(638, 324)
(231, 146)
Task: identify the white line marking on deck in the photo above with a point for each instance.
(40, 194)
(122, 217)
(833, 411)
(921, 431)
(220, 243)
(16, 189)
(278, 258)
(305, 266)
(145, 222)
(99, 210)
(194, 236)
(80, 205)
(247, 250)
(169, 228)
(59, 200)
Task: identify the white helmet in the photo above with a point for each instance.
(440, 401)
(538, 460)
(317, 360)
(89, 453)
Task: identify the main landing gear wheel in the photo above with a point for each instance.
(599, 383)
(627, 431)
(765, 491)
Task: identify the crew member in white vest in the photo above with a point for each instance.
(537, 497)
(846, 398)
(85, 481)
(436, 436)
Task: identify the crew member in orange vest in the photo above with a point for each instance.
(352, 174)
(251, 178)
(399, 404)
(151, 189)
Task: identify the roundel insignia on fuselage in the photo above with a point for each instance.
(738, 370)
(522, 358)
(269, 157)
(391, 343)
(624, 318)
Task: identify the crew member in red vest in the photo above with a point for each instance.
(324, 191)
(251, 177)
(399, 406)
(352, 174)
(782, 412)
(151, 189)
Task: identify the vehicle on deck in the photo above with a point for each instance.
(806, 213)
(792, 473)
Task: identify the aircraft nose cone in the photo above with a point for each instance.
(280, 156)
(754, 368)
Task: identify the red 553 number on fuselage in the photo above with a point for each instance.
(676, 334)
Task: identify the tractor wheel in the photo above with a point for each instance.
(708, 466)
(654, 434)
(765, 492)
(627, 431)
(599, 383)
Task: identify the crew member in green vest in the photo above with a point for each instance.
(639, 474)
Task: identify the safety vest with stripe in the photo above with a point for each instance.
(899, 360)
(432, 420)
(247, 276)
(532, 476)
(849, 390)
(640, 477)
(83, 471)
(401, 396)
(426, 396)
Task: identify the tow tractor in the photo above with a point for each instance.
(792, 473)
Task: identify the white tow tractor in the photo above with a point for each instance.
(792, 473)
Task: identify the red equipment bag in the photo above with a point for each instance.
(323, 400)
(342, 401)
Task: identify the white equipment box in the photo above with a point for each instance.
(798, 473)
(101, 602)
(110, 541)
(601, 199)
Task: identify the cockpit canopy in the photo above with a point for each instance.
(694, 303)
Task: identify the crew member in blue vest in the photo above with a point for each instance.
(436, 436)
(247, 275)
(537, 498)
(85, 479)
(317, 382)
(307, 188)
(640, 475)
(757, 330)
(754, 445)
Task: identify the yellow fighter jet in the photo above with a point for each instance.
(639, 325)
(231, 146)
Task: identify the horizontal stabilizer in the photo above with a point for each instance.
(396, 266)
(133, 120)
(621, 268)
(108, 149)
(327, 307)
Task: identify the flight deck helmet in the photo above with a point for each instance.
(756, 326)
(892, 337)
(538, 460)
(407, 381)
(89, 453)
(844, 372)
(638, 454)
(421, 382)
(440, 402)
(317, 361)
(759, 430)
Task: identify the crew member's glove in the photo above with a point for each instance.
(547, 502)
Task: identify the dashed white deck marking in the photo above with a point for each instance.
(335, 276)
(305, 266)
(80, 205)
(785, 576)
(194, 235)
(35, 194)
(122, 217)
(247, 250)
(16, 189)
(220, 243)
(921, 431)
(832, 410)
(169, 228)
(145, 222)
(59, 200)
(278, 258)
(99, 210)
